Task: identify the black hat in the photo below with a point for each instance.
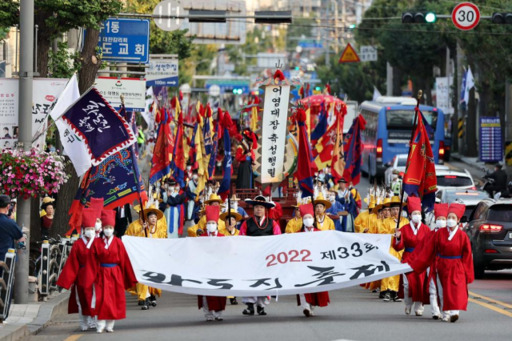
(260, 200)
(342, 180)
(170, 181)
(5, 200)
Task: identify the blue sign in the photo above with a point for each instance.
(491, 142)
(125, 40)
(237, 88)
(162, 72)
(309, 44)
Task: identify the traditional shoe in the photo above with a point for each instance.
(407, 310)
(109, 330)
(261, 311)
(394, 297)
(436, 317)
(307, 312)
(446, 318)
(418, 313)
(454, 318)
(249, 310)
(145, 306)
(153, 303)
(84, 329)
(209, 319)
(233, 301)
(382, 294)
(99, 331)
(219, 319)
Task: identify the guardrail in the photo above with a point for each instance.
(54, 254)
(6, 282)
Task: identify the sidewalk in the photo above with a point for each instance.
(26, 319)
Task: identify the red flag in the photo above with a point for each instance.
(353, 152)
(306, 167)
(420, 176)
(161, 163)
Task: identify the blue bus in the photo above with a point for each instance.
(389, 123)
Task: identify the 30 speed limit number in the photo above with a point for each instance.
(466, 16)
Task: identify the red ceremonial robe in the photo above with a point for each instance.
(215, 303)
(79, 272)
(320, 299)
(454, 265)
(115, 275)
(409, 241)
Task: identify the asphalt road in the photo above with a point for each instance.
(354, 314)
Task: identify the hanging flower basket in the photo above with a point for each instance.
(31, 174)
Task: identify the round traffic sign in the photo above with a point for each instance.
(466, 16)
(168, 12)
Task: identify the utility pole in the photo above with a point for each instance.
(26, 74)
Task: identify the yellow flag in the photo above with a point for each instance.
(202, 170)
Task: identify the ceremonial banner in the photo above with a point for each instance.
(353, 151)
(104, 131)
(286, 264)
(74, 145)
(306, 166)
(273, 139)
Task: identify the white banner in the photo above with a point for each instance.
(133, 90)
(444, 94)
(262, 266)
(45, 93)
(273, 137)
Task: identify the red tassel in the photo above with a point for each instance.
(301, 115)
(279, 75)
(328, 89)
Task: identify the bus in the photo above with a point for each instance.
(389, 124)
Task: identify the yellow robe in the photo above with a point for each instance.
(327, 224)
(388, 226)
(201, 224)
(293, 225)
(227, 234)
(365, 220)
(135, 229)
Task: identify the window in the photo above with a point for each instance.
(404, 119)
(453, 181)
(501, 213)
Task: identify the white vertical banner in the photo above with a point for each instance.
(444, 94)
(273, 137)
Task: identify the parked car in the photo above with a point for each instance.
(468, 197)
(447, 178)
(490, 232)
(398, 164)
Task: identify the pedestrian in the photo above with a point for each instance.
(454, 266)
(213, 306)
(407, 238)
(308, 302)
(48, 207)
(10, 232)
(258, 225)
(499, 184)
(115, 275)
(80, 271)
(151, 224)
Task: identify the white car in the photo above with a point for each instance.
(398, 164)
(451, 179)
(468, 197)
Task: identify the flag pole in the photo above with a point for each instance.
(416, 110)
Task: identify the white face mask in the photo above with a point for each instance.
(416, 218)
(211, 227)
(108, 232)
(440, 223)
(89, 233)
(451, 222)
(97, 226)
(308, 222)
(332, 199)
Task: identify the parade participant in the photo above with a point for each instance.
(47, 219)
(231, 220)
(366, 221)
(213, 306)
(97, 204)
(323, 222)
(294, 224)
(259, 225)
(233, 202)
(200, 227)
(153, 225)
(191, 195)
(320, 299)
(336, 212)
(123, 219)
(407, 238)
(173, 207)
(80, 272)
(245, 156)
(440, 212)
(345, 197)
(454, 265)
(396, 183)
(356, 196)
(115, 275)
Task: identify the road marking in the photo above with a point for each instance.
(490, 306)
(73, 337)
(491, 300)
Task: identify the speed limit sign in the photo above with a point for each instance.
(465, 16)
